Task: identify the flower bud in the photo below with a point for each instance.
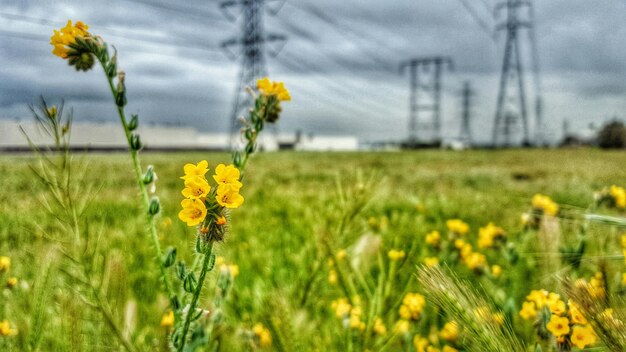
(169, 257)
(175, 303)
(111, 69)
(211, 263)
(190, 282)
(135, 142)
(237, 159)
(148, 177)
(250, 148)
(181, 270)
(120, 98)
(133, 123)
(154, 207)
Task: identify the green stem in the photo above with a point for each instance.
(196, 295)
(145, 197)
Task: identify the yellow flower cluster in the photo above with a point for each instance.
(619, 196)
(349, 314)
(433, 238)
(396, 254)
(422, 344)
(270, 88)
(62, 38)
(595, 286)
(412, 306)
(489, 235)
(379, 327)
(450, 331)
(566, 321)
(473, 260)
(457, 226)
(545, 204)
(263, 335)
(6, 329)
(197, 190)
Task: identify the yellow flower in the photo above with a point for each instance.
(619, 196)
(583, 336)
(229, 197)
(341, 254)
(11, 282)
(496, 271)
(420, 343)
(263, 334)
(277, 89)
(402, 326)
(395, 254)
(332, 277)
(449, 349)
(487, 235)
(194, 211)
(576, 314)
(227, 175)
(557, 307)
(196, 188)
(5, 264)
(234, 270)
(431, 261)
(545, 204)
(433, 238)
(558, 326)
(450, 331)
(6, 330)
(457, 226)
(168, 319)
(539, 297)
(379, 327)
(341, 307)
(476, 260)
(412, 306)
(528, 311)
(198, 170)
(62, 38)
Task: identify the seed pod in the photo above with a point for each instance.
(120, 98)
(237, 159)
(133, 123)
(154, 207)
(190, 282)
(250, 148)
(135, 142)
(169, 257)
(148, 177)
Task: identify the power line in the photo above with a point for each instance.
(188, 12)
(476, 17)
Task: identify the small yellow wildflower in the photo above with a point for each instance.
(457, 226)
(229, 197)
(355, 319)
(488, 234)
(194, 211)
(6, 330)
(449, 349)
(476, 261)
(450, 331)
(168, 319)
(412, 306)
(619, 196)
(546, 204)
(496, 271)
(558, 326)
(341, 254)
(11, 282)
(62, 38)
(5, 264)
(198, 170)
(341, 307)
(332, 277)
(196, 188)
(379, 327)
(583, 336)
(263, 335)
(575, 313)
(395, 254)
(277, 89)
(433, 238)
(528, 311)
(227, 175)
(402, 326)
(431, 261)
(420, 343)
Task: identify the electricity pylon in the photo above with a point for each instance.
(466, 113)
(507, 119)
(430, 128)
(251, 44)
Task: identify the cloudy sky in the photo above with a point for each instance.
(340, 61)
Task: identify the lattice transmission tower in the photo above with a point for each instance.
(511, 111)
(466, 113)
(252, 50)
(425, 117)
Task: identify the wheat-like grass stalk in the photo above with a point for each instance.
(465, 305)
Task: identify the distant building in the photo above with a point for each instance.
(110, 136)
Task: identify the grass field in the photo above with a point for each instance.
(300, 209)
